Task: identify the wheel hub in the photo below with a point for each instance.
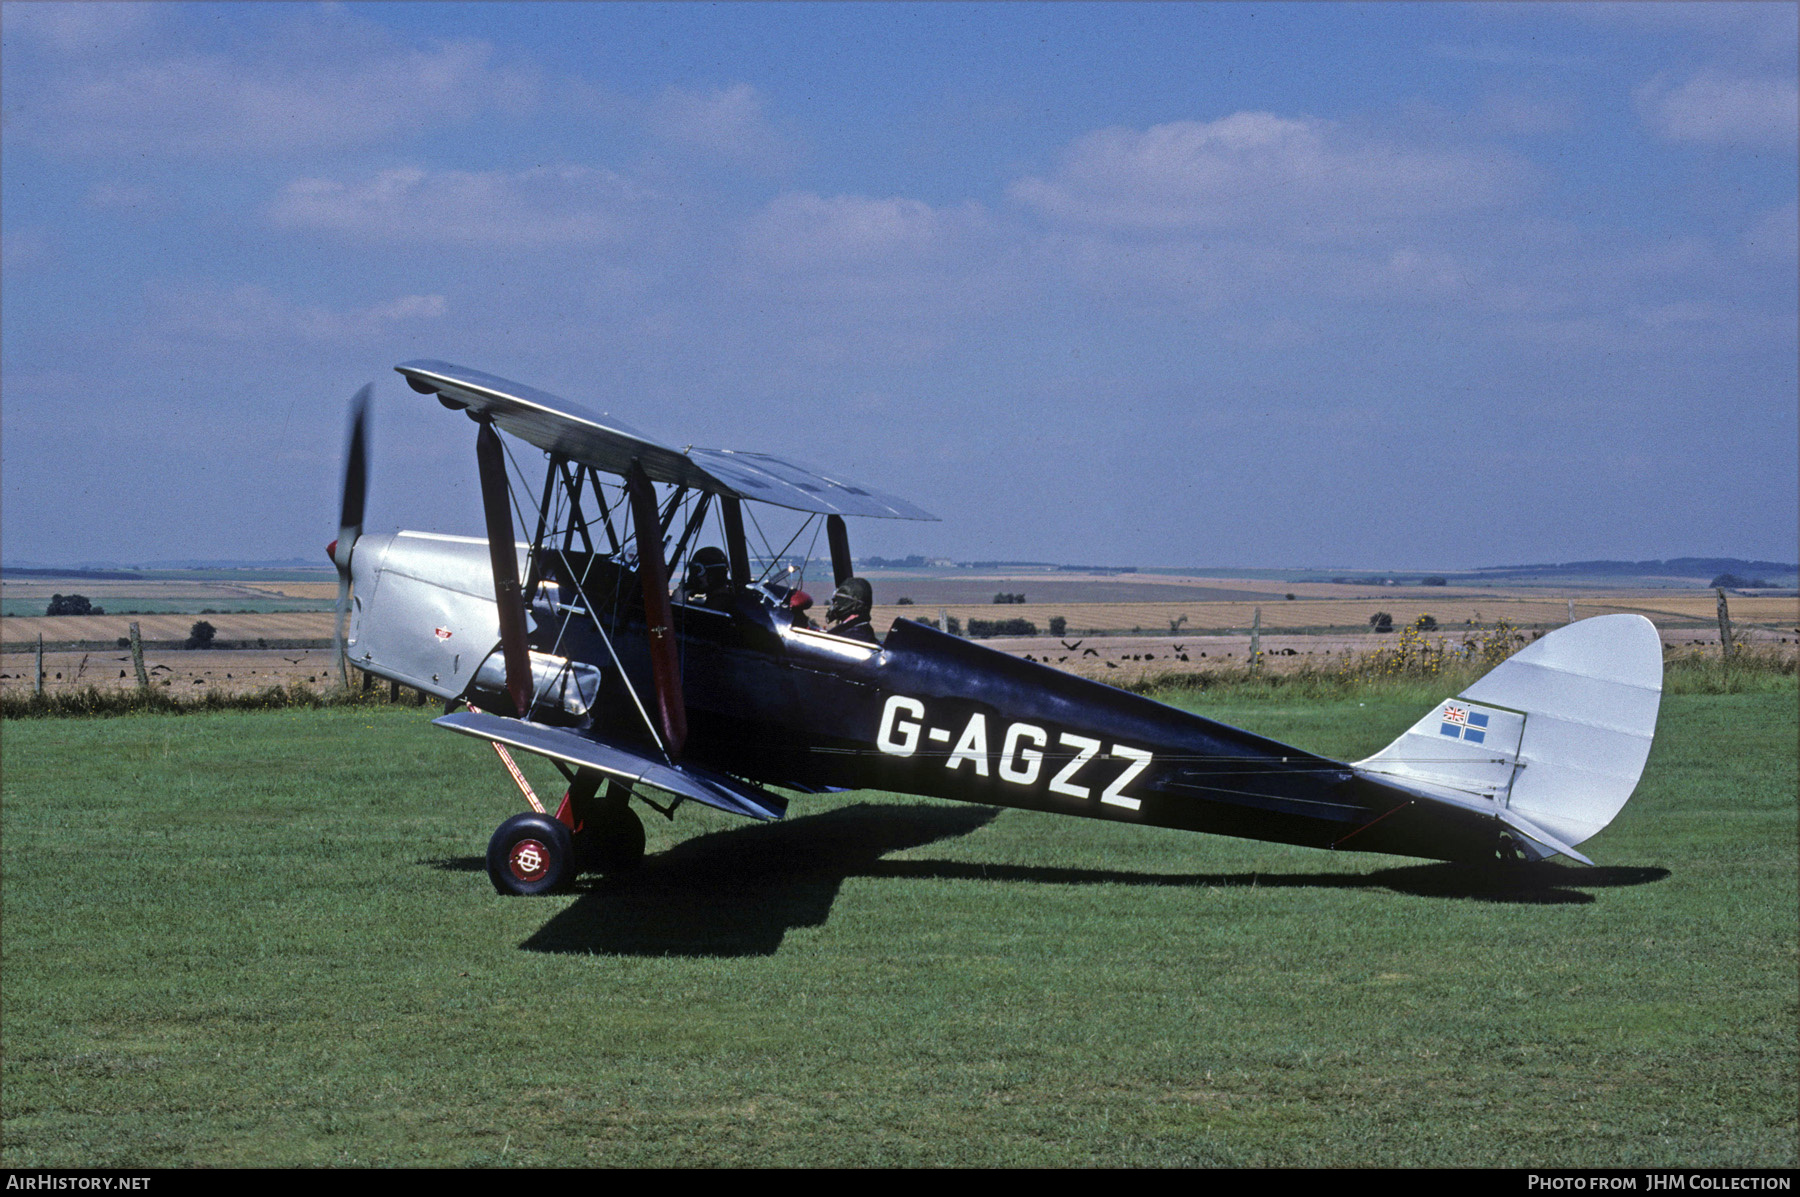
(529, 860)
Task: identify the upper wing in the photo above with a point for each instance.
(597, 439)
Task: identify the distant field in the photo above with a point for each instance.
(267, 940)
(1212, 618)
(29, 597)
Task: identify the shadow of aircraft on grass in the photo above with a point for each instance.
(1542, 884)
(738, 892)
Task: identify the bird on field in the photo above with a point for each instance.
(1110, 665)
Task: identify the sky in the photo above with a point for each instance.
(1390, 286)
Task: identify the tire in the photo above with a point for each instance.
(531, 854)
(613, 843)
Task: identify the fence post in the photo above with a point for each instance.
(137, 657)
(1724, 626)
(1256, 641)
(38, 673)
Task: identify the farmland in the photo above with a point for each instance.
(279, 622)
(266, 939)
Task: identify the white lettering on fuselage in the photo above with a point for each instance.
(1022, 751)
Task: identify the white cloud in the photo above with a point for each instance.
(728, 122)
(1721, 109)
(543, 206)
(93, 27)
(1257, 170)
(802, 231)
(282, 98)
(255, 314)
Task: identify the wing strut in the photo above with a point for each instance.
(659, 618)
(735, 545)
(494, 501)
(839, 539)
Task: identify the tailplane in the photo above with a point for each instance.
(1551, 742)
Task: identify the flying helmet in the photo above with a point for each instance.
(708, 571)
(854, 597)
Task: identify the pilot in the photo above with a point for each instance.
(708, 578)
(849, 611)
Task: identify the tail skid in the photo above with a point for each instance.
(1551, 742)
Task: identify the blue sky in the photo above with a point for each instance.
(1384, 286)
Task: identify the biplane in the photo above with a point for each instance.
(634, 641)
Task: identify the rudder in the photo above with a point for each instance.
(1553, 739)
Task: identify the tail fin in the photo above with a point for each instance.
(1551, 742)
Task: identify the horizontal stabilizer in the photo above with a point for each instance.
(686, 780)
(1538, 835)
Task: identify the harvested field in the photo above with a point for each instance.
(1119, 641)
(19, 631)
(1122, 660)
(1349, 615)
(182, 672)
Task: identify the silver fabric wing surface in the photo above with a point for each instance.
(558, 426)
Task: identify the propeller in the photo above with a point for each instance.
(350, 516)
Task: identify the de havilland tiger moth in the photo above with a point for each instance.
(575, 645)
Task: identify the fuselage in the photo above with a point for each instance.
(922, 713)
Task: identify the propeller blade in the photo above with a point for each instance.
(350, 518)
(337, 627)
(356, 479)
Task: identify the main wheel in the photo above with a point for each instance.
(612, 842)
(531, 854)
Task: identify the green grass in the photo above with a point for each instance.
(266, 938)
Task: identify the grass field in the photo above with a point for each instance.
(267, 939)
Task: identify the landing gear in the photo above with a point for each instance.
(536, 853)
(1508, 853)
(531, 854)
(611, 842)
